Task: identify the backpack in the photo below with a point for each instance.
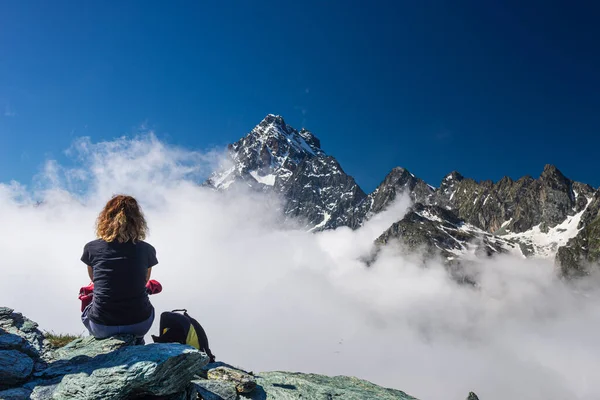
(181, 328)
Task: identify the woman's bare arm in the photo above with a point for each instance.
(91, 273)
(148, 274)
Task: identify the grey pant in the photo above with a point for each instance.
(104, 331)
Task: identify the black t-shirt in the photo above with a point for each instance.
(120, 270)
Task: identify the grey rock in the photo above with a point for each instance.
(155, 369)
(44, 392)
(90, 347)
(15, 367)
(5, 311)
(15, 394)
(191, 393)
(16, 324)
(243, 381)
(472, 396)
(291, 385)
(216, 389)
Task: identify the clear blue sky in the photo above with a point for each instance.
(488, 88)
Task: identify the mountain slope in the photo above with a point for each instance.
(462, 218)
(398, 182)
(581, 255)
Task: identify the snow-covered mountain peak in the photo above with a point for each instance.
(276, 157)
(275, 133)
(267, 155)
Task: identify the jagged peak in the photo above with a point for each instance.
(398, 170)
(274, 126)
(310, 138)
(400, 173)
(453, 176)
(550, 171)
(273, 118)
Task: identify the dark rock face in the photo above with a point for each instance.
(439, 231)
(581, 256)
(398, 182)
(522, 204)
(321, 193)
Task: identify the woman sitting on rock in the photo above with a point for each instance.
(119, 263)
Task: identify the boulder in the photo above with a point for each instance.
(155, 369)
(90, 347)
(15, 394)
(15, 323)
(244, 382)
(15, 367)
(216, 389)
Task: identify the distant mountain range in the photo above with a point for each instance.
(462, 219)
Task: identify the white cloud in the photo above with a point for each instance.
(273, 298)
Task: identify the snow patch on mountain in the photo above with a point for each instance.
(538, 244)
(268, 180)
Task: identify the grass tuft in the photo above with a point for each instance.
(58, 340)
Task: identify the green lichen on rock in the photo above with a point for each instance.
(293, 385)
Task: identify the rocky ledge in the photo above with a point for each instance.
(115, 368)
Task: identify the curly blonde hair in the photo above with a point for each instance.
(122, 220)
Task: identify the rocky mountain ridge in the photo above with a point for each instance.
(548, 217)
